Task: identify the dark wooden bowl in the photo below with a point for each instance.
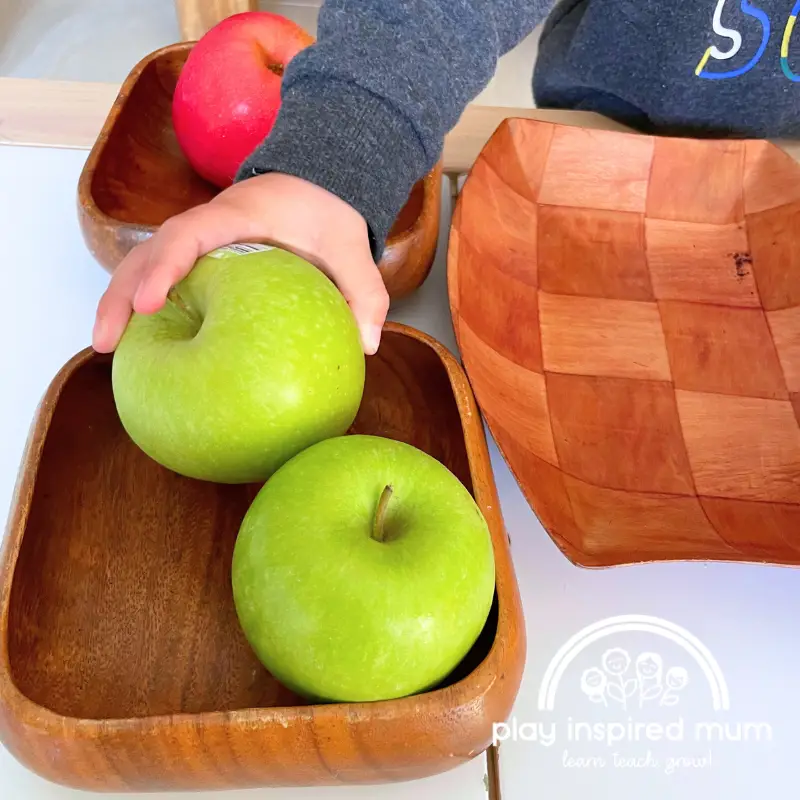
(628, 310)
(136, 177)
(122, 663)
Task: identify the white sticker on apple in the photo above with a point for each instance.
(239, 249)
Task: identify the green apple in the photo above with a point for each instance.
(254, 357)
(363, 571)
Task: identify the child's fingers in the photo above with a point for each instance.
(174, 253)
(116, 304)
(359, 280)
(179, 243)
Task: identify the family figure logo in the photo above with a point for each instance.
(611, 681)
(635, 691)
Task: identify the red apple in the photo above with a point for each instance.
(229, 91)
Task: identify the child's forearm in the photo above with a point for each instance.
(366, 109)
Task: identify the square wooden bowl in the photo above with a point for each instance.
(136, 177)
(122, 663)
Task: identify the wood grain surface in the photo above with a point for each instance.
(628, 310)
(122, 664)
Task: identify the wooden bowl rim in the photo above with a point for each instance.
(85, 196)
(609, 128)
(430, 182)
(477, 683)
(508, 122)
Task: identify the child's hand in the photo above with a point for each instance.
(276, 208)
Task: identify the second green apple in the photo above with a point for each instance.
(363, 571)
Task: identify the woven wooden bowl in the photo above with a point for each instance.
(136, 177)
(122, 663)
(628, 309)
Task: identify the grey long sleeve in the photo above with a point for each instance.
(366, 108)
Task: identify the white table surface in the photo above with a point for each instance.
(744, 618)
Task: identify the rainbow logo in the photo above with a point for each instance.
(718, 687)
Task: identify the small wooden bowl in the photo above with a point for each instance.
(136, 177)
(628, 310)
(122, 663)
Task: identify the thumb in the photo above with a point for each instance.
(362, 286)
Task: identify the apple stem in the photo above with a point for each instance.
(180, 305)
(378, 532)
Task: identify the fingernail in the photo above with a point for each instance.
(98, 334)
(372, 339)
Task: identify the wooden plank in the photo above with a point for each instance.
(463, 144)
(68, 114)
(71, 114)
(62, 114)
(196, 17)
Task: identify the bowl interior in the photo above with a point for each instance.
(142, 176)
(628, 312)
(121, 603)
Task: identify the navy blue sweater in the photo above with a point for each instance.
(365, 110)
